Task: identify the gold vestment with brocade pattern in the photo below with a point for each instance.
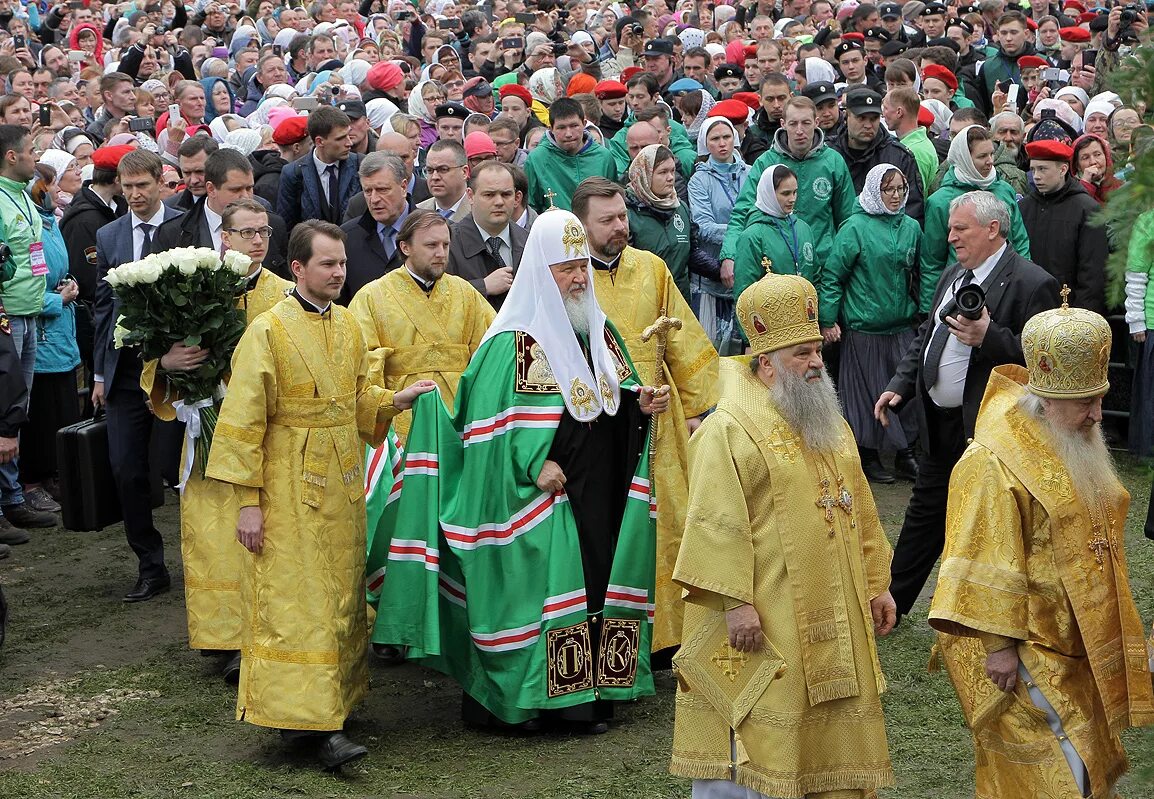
(289, 439)
(211, 555)
(796, 534)
(1027, 559)
(632, 299)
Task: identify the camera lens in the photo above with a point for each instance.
(970, 299)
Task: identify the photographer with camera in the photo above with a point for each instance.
(979, 308)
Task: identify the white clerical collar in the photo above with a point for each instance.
(310, 304)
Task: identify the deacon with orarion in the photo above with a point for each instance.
(786, 574)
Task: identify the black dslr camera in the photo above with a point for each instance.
(968, 302)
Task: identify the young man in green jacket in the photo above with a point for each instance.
(22, 295)
(565, 157)
(900, 108)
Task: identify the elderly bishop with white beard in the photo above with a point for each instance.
(527, 567)
(1036, 622)
(785, 569)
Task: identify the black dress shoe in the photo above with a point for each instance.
(24, 516)
(336, 750)
(871, 465)
(906, 465)
(392, 655)
(231, 670)
(148, 587)
(596, 728)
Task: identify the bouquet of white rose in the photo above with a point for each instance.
(185, 295)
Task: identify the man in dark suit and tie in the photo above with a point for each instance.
(486, 247)
(371, 246)
(320, 185)
(117, 379)
(948, 365)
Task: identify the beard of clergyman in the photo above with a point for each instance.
(810, 408)
(577, 309)
(1083, 452)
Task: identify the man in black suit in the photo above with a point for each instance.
(191, 157)
(117, 378)
(486, 246)
(416, 188)
(371, 246)
(948, 365)
(320, 185)
(228, 176)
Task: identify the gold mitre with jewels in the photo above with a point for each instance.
(1067, 352)
(778, 311)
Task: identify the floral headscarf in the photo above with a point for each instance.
(641, 179)
(543, 85)
(417, 103)
(871, 194)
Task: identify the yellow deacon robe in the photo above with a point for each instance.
(632, 298)
(1020, 562)
(211, 554)
(289, 440)
(756, 534)
(414, 336)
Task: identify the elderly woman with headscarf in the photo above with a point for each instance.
(423, 102)
(1093, 164)
(971, 168)
(866, 285)
(545, 87)
(67, 178)
(775, 239)
(219, 98)
(713, 189)
(658, 221)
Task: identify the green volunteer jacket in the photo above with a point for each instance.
(683, 149)
(551, 169)
(666, 234)
(20, 228)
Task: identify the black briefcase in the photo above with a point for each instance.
(88, 496)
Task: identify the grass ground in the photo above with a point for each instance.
(114, 706)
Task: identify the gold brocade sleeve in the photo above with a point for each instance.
(689, 355)
(716, 560)
(982, 583)
(876, 550)
(374, 334)
(237, 454)
(155, 386)
(482, 316)
(375, 409)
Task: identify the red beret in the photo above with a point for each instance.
(1077, 35)
(516, 90)
(751, 99)
(751, 51)
(109, 157)
(942, 74)
(628, 73)
(291, 130)
(610, 90)
(925, 117)
(853, 37)
(735, 111)
(1030, 24)
(1089, 16)
(1050, 150)
(1075, 5)
(385, 75)
(1032, 62)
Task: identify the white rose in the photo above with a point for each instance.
(187, 267)
(238, 262)
(209, 259)
(113, 277)
(149, 271)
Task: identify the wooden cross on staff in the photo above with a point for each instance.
(660, 329)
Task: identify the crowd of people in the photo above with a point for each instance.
(557, 220)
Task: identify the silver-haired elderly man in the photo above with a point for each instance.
(946, 369)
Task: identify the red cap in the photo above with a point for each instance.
(942, 74)
(516, 90)
(735, 111)
(925, 117)
(853, 37)
(291, 130)
(109, 157)
(1074, 4)
(1075, 35)
(610, 90)
(751, 51)
(479, 143)
(1032, 62)
(385, 75)
(1049, 150)
(581, 83)
(1089, 16)
(752, 99)
(1030, 24)
(629, 72)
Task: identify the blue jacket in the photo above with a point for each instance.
(301, 196)
(56, 348)
(712, 192)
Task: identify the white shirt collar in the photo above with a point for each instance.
(155, 221)
(321, 165)
(987, 266)
(505, 237)
(214, 219)
(453, 207)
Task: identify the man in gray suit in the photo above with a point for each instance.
(446, 170)
(486, 246)
(117, 379)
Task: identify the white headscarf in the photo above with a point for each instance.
(245, 140)
(942, 116)
(964, 168)
(535, 306)
(355, 72)
(818, 69)
(260, 115)
(766, 196)
(1077, 91)
(417, 103)
(379, 112)
(871, 193)
(59, 160)
(703, 135)
(285, 37)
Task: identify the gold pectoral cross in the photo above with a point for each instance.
(766, 264)
(1101, 544)
(827, 502)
